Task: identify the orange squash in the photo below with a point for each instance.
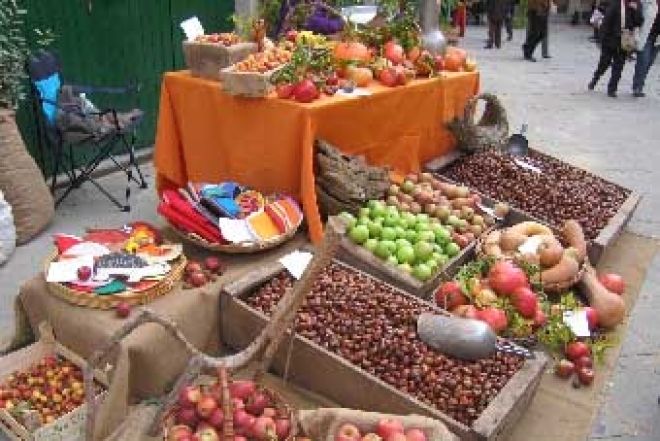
(361, 76)
(455, 59)
(351, 51)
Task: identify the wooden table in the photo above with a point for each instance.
(206, 135)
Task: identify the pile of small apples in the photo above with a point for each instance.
(578, 361)
(199, 416)
(265, 61)
(198, 274)
(53, 387)
(389, 429)
(454, 206)
(415, 244)
(504, 280)
(225, 38)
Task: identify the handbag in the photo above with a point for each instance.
(628, 37)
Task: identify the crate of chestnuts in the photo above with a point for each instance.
(42, 396)
(545, 189)
(356, 344)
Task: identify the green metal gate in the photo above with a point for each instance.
(110, 42)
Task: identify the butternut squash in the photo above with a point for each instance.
(610, 307)
(574, 236)
(565, 270)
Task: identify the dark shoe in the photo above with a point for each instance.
(530, 58)
(488, 46)
(547, 56)
(592, 84)
(639, 94)
(611, 94)
(509, 38)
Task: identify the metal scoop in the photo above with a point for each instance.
(464, 338)
(489, 211)
(518, 145)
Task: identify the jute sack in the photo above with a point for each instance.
(323, 424)
(7, 230)
(22, 183)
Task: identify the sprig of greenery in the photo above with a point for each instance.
(305, 60)
(600, 344)
(475, 269)
(556, 334)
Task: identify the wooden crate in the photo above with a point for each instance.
(247, 84)
(206, 60)
(314, 368)
(364, 260)
(69, 427)
(607, 236)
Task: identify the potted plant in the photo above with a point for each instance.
(21, 180)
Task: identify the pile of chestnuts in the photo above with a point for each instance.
(374, 327)
(554, 192)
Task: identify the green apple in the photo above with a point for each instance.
(407, 187)
(401, 242)
(378, 211)
(454, 221)
(452, 249)
(409, 218)
(364, 212)
(423, 251)
(391, 209)
(411, 236)
(371, 244)
(422, 218)
(391, 220)
(440, 258)
(388, 233)
(363, 220)
(391, 245)
(350, 220)
(359, 234)
(400, 232)
(392, 260)
(422, 226)
(422, 272)
(372, 204)
(442, 235)
(382, 250)
(405, 267)
(405, 254)
(375, 230)
(433, 265)
(426, 236)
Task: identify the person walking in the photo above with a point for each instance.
(495, 11)
(651, 46)
(611, 51)
(509, 15)
(537, 26)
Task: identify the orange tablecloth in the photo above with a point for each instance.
(206, 135)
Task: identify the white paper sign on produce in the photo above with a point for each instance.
(531, 245)
(66, 270)
(193, 28)
(527, 166)
(577, 321)
(357, 92)
(296, 262)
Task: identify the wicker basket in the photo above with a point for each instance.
(236, 248)
(247, 84)
(206, 60)
(491, 131)
(549, 288)
(110, 301)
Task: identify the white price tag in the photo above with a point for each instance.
(531, 245)
(522, 164)
(577, 321)
(192, 28)
(357, 92)
(296, 262)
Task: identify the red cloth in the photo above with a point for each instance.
(176, 209)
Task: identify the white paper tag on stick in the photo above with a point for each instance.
(296, 262)
(577, 321)
(193, 28)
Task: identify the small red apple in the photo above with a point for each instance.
(178, 433)
(584, 362)
(387, 427)
(576, 350)
(586, 376)
(198, 279)
(564, 368)
(348, 432)
(264, 428)
(282, 428)
(123, 310)
(189, 396)
(269, 412)
(84, 273)
(206, 406)
(213, 264)
(193, 267)
(187, 417)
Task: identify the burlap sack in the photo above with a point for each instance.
(7, 230)
(323, 424)
(22, 182)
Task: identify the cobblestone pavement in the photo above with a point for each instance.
(615, 138)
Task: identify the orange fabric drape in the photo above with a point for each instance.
(205, 135)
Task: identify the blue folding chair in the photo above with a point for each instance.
(109, 132)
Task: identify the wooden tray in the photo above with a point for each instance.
(312, 367)
(205, 60)
(607, 236)
(69, 427)
(110, 301)
(247, 84)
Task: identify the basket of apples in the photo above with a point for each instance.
(208, 54)
(240, 410)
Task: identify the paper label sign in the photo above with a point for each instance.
(531, 245)
(192, 28)
(577, 321)
(525, 165)
(357, 92)
(296, 262)
(66, 270)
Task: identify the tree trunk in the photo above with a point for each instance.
(22, 183)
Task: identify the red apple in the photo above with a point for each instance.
(576, 350)
(564, 368)
(257, 403)
(242, 389)
(348, 432)
(284, 91)
(450, 295)
(187, 417)
(394, 52)
(282, 428)
(193, 267)
(206, 406)
(388, 77)
(243, 421)
(269, 412)
(415, 435)
(387, 427)
(84, 273)
(207, 434)
(213, 264)
(217, 418)
(123, 309)
(237, 403)
(264, 428)
(189, 396)
(178, 433)
(198, 279)
(613, 282)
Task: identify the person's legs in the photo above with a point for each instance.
(603, 63)
(508, 22)
(497, 34)
(545, 51)
(643, 59)
(491, 33)
(534, 36)
(618, 62)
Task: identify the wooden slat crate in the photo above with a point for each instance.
(206, 60)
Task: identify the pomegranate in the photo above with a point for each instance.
(525, 301)
(388, 77)
(504, 277)
(584, 362)
(586, 376)
(449, 296)
(394, 52)
(305, 91)
(564, 368)
(494, 317)
(576, 350)
(612, 282)
(284, 91)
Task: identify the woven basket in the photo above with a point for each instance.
(549, 288)
(205, 60)
(110, 301)
(237, 248)
(227, 431)
(247, 84)
(491, 131)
